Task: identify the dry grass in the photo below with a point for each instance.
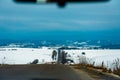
(117, 71)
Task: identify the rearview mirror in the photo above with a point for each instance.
(61, 3)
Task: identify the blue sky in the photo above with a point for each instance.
(100, 21)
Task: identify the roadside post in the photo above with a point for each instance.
(59, 59)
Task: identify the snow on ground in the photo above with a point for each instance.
(27, 55)
(98, 56)
(24, 55)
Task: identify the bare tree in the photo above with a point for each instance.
(54, 55)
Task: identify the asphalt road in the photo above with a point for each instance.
(40, 72)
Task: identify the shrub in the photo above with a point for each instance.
(116, 66)
(35, 61)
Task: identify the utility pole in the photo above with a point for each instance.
(59, 53)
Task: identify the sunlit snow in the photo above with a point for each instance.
(44, 55)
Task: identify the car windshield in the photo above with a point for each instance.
(80, 21)
(78, 34)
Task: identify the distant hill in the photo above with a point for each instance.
(83, 44)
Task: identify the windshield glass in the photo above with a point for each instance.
(87, 21)
(57, 42)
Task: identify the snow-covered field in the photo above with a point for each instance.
(98, 56)
(27, 55)
(24, 55)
